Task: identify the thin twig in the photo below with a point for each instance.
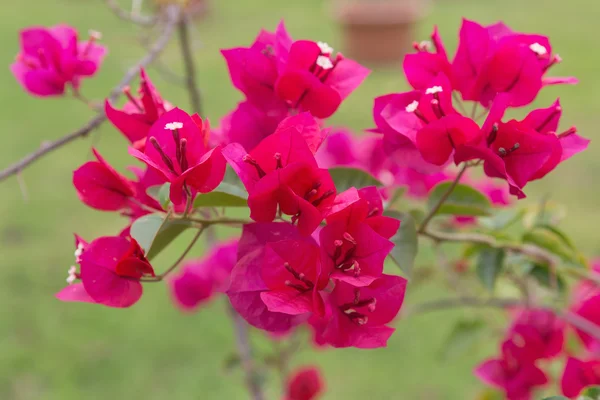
(444, 197)
(190, 68)
(242, 339)
(130, 16)
(172, 13)
(190, 246)
(474, 302)
(529, 250)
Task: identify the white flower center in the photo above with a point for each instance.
(425, 45)
(95, 34)
(172, 126)
(78, 251)
(538, 49)
(434, 90)
(412, 107)
(325, 48)
(324, 62)
(71, 278)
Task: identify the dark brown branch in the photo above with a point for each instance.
(242, 339)
(145, 20)
(189, 65)
(172, 17)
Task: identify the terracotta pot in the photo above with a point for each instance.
(378, 31)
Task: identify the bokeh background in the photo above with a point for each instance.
(55, 351)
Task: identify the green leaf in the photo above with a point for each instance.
(462, 338)
(406, 242)
(230, 193)
(556, 398)
(593, 392)
(398, 193)
(464, 200)
(154, 233)
(164, 195)
(417, 215)
(555, 243)
(489, 266)
(542, 274)
(345, 178)
(502, 219)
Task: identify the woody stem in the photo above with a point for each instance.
(441, 201)
(189, 65)
(184, 254)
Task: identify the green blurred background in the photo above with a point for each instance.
(55, 351)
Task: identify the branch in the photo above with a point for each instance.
(129, 16)
(172, 14)
(435, 208)
(245, 354)
(190, 68)
(437, 305)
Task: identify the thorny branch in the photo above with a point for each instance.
(172, 18)
(190, 68)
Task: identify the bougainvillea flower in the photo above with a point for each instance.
(424, 121)
(294, 275)
(493, 59)
(247, 282)
(535, 334)
(51, 58)
(578, 375)
(586, 288)
(138, 114)
(254, 69)
(101, 187)
(313, 80)
(247, 125)
(305, 383)
(423, 67)
(281, 173)
(588, 307)
(200, 279)
(516, 379)
(178, 148)
(111, 269)
(357, 317)
(355, 241)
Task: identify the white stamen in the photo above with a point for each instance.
(349, 311)
(95, 34)
(325, 48)
(425, 45)
(412, 107)
(434, 90)
(172, 126)
(324, 62)
(71, 278)
(78, 251)
(538, 49)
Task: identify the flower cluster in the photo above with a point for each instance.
(535, 335)
(496, 68)
(281, 77)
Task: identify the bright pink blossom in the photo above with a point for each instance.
(101, 187)
(247, 282)
(535, 334)
(138, 114)
(316, 81)
(305, 383)
(424, 122)
(522, 151)
(517, 379)
(51, 58)
(423, 67)
(294, 276)
(358, 317)
(178, 148)
(200, 279)
(494, 59)
(281, 173)
(589, 308)
(578, 375)
(111, 269)
(355, 241)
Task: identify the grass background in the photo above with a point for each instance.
(55, 351)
